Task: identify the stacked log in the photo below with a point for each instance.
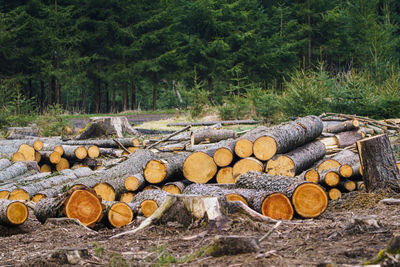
(12, 213)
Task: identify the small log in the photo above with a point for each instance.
(45, 168)
(135, 182)
(246, 165)
(149, 201)
(378, 163)
(225, 176)
(53, 157)
(347, 185)
(285, 137)
(93, 152)
(174, 187)
(127, 197)
(343, 157)
(62, 165)
(210, 135)
(119, 214)
(329, 178)
(334, 193)
(74, 152)
(232, 245)
(102, 143)
(17, 156)
(162, 170)
(38, 157)
(342, 126)
(38, 145)
(312, 175)
(360, 186)
(294, 162)
(199, 167)
(12, 213)
(244, 144)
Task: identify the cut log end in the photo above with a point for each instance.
(282, 166)
(38, 197)
(309, 200)
(332, 179)
(236, 197)
(17, 213)
(334, 193)
(105, 191)
(225, 176)
(151, 187)
(19, 194)
(246, 165)
(277, 206)
(17, 156)
(346, 170)
(62, 165)
(148, 207)
(223, 157)
(81, 152)
(45, 168)
(244, 148)
(84, 206)
(55, 157)
(28, 151)
(93, 152)
(171, 188)
(4, 194)
(38, 157)
(312, 176)
(264, 148)
(132, 149)
(328, 164)
(155, 171)
(59, 150)
(120, 214)
(127, 197)
(199, 168)
(131, 183)
(38, 145)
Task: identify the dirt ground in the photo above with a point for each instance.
(331, 238)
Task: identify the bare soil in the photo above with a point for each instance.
(331, 238)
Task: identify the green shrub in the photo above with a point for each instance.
(235, 108)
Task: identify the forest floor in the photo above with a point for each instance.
(330, 238)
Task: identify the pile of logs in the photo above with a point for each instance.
(286, 171)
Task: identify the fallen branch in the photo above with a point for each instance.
(360, 118)
(169, 136)
(270, 232)
(121, 146)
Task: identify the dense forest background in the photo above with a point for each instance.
(263, 58)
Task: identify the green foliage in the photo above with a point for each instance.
(52, 123)
(235, 107)
(116, 260)
(99, 250)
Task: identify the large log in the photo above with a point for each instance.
(149, 201)
(4, 163)
(14, 170)
(12, 213)
(211, 135)
(28, 152)
(119, 214)
(199, 167)
(285, 137)
(378, 164)
(107, 126)
(164, 170)
(296, 161)
(309, 200)
(225, 176)
(79, 203)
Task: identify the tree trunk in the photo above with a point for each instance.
(378, 164)
(133, 96)
(107, 126)
(244, 144)
(14, 170)
(4, 163)
(58, 92)
(97, 97)
(343, 157)
(42, 97)
(52, 90)
(125, 97)
(162, 170)
(74, 152)
(102, 143)
(83, 97)
(334, 193)
(247, 165)
(113, 110)
(285, 137)
(135, 182)
(309, 200)
(342, 126)
(211, 136)
(329, 178)
(296, 161)
(12, 213)
(154, 97)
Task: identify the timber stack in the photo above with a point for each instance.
(277, 171)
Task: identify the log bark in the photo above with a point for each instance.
(211, 136)
(50, 157)
(342, 126)
(347, 185)
(378, 163)
(149, 201)
(208, 123)
(102, 143)
(285, 137)
(14, 170)
(296, 161)
(74, 152)
(348, 138)
(12, 213)
(246, 165)
(199, 167)
(135, 182)
(163, 170)
(4, 163)
(309, 200)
